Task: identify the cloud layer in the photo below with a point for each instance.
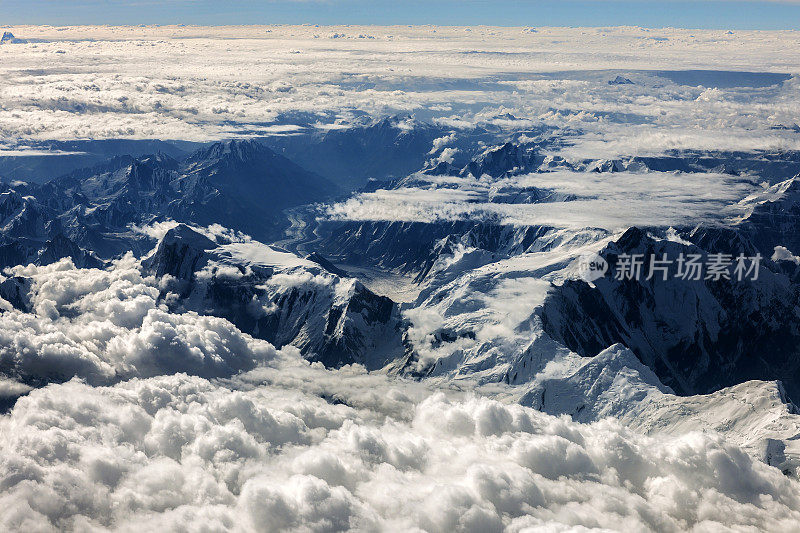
(574, 200)
(181, 453)
(209, 83)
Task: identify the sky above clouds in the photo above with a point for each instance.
(649, 13)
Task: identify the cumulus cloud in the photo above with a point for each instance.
(180, 452)
(783, 254)
(108, 325)
(447, 155)
(441, 142)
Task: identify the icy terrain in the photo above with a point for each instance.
(324, 279)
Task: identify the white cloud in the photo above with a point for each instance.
(441, 142)
(209, 83)
(577, 200)
(107, 325)
(783, 254)
(178, 452)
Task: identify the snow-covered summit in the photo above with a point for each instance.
(277, 296)
(8, 38)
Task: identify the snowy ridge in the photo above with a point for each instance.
(754, 415)
(277, 296)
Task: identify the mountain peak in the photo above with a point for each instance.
(185, 235)
(785, 194)
(159, 159)
(620, 80)
(230, 150)
(8, 37)
(179, 252)
(789, 189)
(504, 159)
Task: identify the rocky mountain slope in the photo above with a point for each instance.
(485, 248)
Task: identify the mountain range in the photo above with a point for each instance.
(238, 231)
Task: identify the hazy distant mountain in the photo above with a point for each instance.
(242, 185)
(390, 147)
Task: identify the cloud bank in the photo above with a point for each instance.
(196, 83)
(181, 453)
(575, 200)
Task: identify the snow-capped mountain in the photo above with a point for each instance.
(772, 217)
(240, 184)
(505, 160)
(698, 336)
(243, 185)
(24, 217)
(277, 296)
(490, 298)
(755, 415)
(8, 38)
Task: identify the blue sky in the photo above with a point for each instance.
(651, 13)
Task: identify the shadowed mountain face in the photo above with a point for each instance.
(242, 185)
(389, 148)
(245, 185)
(698, 336)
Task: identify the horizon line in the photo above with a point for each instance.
(322, 25)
